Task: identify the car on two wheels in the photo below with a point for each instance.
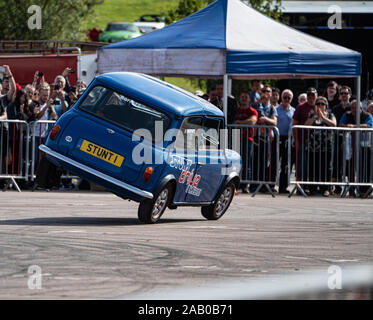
(148, 141)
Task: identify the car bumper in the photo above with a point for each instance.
(81, 167)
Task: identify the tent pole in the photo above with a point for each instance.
(225, 109)
(358, 98)
(357, 135)
(229, 87)
(225, 97)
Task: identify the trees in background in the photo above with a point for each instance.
(59, 20)
(271, 8)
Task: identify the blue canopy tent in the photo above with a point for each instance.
(231, 40)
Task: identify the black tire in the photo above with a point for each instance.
(216, 210)
(151, 210)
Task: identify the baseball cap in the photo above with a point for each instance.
(311, 90)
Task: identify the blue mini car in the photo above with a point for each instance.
(148, 141)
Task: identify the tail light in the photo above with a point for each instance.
(54, 132)
(147, 174)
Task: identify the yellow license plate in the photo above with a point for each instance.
(101, 153)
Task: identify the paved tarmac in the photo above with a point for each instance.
(89, 245)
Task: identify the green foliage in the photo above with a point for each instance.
(128, 10)
(271, 8)
(184, 9)
(61, 20)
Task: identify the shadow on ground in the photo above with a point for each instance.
(85, 221)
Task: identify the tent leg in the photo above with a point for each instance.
(357, 135)
(225, 97)
(229, 87)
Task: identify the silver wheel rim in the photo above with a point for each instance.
(160, 204)
(223, 201)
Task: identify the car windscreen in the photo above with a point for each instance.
(124, 111)
(121, 27)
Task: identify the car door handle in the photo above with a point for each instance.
(110, 131)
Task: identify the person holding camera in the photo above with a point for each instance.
(59, 96)
(38, 77)
(8, 90)
(43, 110)
(7, 96)
(319, 144)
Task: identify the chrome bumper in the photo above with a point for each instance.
(96, 173)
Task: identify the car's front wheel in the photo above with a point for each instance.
(150, 211)
(216, 210)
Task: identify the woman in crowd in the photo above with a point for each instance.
(17, 110)
(302, 98)
(370, 108)
(332, 94)
(319, 145)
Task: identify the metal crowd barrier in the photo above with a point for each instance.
(14, 151)
(19, 150)
(39, 131)
(259, 148)
(327, 157)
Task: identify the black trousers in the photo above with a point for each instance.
(284, 167)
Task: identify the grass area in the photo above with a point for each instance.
(185, 83)
(131, 10)
(128, 10)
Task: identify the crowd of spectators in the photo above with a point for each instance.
(262, 106)
(38, 100)
(266, 106)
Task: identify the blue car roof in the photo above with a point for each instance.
(157, 93)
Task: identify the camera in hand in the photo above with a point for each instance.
(57, 87)
(40, 74)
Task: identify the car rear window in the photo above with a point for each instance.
(121, 27)
(122, 111)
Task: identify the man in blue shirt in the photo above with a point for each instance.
(349, 118)
(254, 93)
(266, 112)
(265, 166)
(285, 114)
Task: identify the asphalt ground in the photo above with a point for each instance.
(90, 245)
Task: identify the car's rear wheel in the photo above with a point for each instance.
(150, 211)
(216, 210)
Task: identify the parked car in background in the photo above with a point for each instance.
(148, 141)
(150, 22)
(119, 31)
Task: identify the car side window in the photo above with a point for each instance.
(188, 135)
(210, 138)
(123, 111)
(92, 100)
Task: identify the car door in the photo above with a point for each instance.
(183, 161)
(211, 163)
